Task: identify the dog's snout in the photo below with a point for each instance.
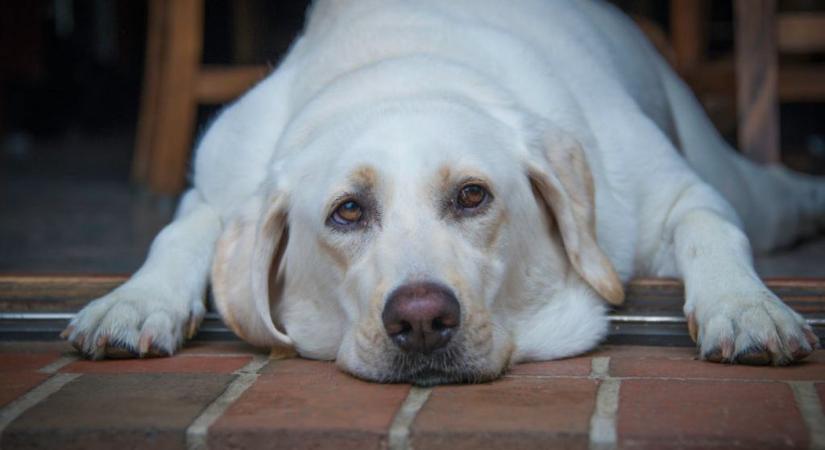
(421, 317)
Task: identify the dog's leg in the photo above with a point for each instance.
(777, 206)
(732, 316)
(163, 301)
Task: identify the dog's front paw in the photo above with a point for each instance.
(750, 328)
(134, 321)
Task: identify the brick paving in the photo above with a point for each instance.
(664, 414)
(516, 412)
(228, 395)
(298, 403)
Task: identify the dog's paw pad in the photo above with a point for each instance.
(810, 337)
(721, 353)
(115, 352)
(754, 356)
(713, 355)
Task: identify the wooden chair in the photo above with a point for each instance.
(761, 34)
(174, 83)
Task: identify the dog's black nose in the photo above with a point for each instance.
(421, 317)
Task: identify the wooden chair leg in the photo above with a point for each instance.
(176, 105)
(757, 94)
(687, 31)
(150, 91)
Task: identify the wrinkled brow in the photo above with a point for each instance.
(364, 178)
(444, 178)
(448, 178)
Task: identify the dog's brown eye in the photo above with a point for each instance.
(347, 213)
(471, 196)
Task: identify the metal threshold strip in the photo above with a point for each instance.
(624, 329)
(38, 307)
(614, 318)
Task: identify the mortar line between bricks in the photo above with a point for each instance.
(602, 434)
(16, 408)
(603, 422)
(58, 364)
(197, 433)
(807, 401)
(600, 367)
(665, 378)
(399, 438)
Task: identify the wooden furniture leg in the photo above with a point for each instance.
(175, 82)
(688, 34)
(757, 93)
(149, 91)
(177, 106)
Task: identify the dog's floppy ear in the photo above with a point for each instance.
(561, 177)
(246, 267)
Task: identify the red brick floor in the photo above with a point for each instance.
(227, 395)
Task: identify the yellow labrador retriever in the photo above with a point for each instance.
(432, 191)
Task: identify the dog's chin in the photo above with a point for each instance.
(447, 366)
(431, 377)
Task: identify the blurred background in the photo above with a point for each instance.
(101, 100)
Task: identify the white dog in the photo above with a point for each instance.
(433, 191)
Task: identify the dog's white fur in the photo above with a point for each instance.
(542, 102)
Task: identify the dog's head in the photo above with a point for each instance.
(412, 243)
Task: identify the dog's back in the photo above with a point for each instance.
(563, 59)
(580, 64)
